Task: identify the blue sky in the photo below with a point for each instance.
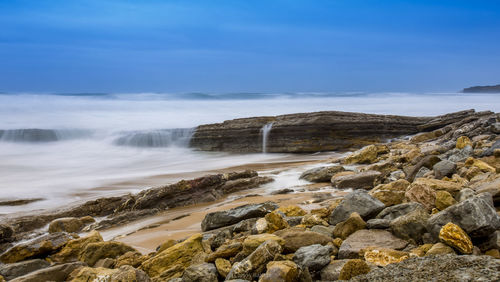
(247, 46)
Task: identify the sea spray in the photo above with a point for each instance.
(266, 129)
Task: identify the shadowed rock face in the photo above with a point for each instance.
(311, 132)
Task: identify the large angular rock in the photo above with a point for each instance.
(13, 270)
(255, 263)
(362, 239)
(475, 216)
(437, 268)
(444, 168)
(205, 272)
(396, 211)
(225, 251)
(124, 273)
(252, 242)
(366, 155)
(352, 224)
(66, 224)
(314, 257)
(93, 252)
(286, 271)
(295, 239)
(492, 242)
(453, 236)
(422, 194)
(392, 193)
(358, 201)
(427, 162)
(73, 248)
(411, 225)
(362, 180)
(321, 174)
(54, 273)
(331, 272)
(225, 218)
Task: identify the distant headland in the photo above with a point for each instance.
(482, 89)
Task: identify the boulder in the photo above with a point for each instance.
(321, 174)
(254, 264)
(444, 200)
(174, 259)
(6, 233)
(223, 266)
(205, 272)
(57, 273)
(225, 218)
(439, 185)
(384, 256)
(314, 257)
(465, 194)
(422, 194)
(130, 258)
(411, 225)
(352, 224)
(491, 150)
(221, 237)
(244, 225)
(275, 221)
(362, 180)
(460, 155)
(462, 142)
(437, 268)
(331, 272)
(444, 168)
(440, 249)
(366, 155)
(225, 251)
(313, 219)
(452, 235)
(358, 201)
(362, 239)
(73, 248)
(13, 270)
(484, 167)
(39, 247)
(252, 242)
(353, 268)
(392, 193)
(295, 239)
(292, 211)
(396, 211)
(427, 162)
(286, 271)
(475, 216)
(66, 224)
(377, 223)
(99, 250)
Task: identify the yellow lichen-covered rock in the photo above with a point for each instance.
(223, 266)
(366, 155)
(452, 235)
(352, 268)
(286, 271)
(292, 210)
(426, 136)
(175, 259)
(73, 248)
(313, 219)
(444, 200)
(130, 258)
(440, 249)
(383, 256)
(322, 212)
(99, 250)
(66, 224)
(225, 251)
(253, 241)
(124, 273)
(392, 193)
(438, 185)
(462, 142)
(421, 250)
(2, 279)
(349, 226)
(165, 245)
(337, 242)
(275, 222)
(484, 167)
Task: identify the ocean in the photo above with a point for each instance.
(72, 147)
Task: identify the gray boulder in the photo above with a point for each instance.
(328, 231)
(205, 272)
(460, 155)
(225, 218)
(363, 180)
(358, 201)
(475, 216)
(378, 223)
(421, 172)
(321, 174)
(444, 168)
(294, 220)
(491, 150)
(427, 161)
(13, 270)
(254, 264)
(465, 194)
(54, 273)
(362, 239)
(411, 225)
(396, 211)
(437, 268)
(314, 257)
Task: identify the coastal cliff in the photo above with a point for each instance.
(482, 89)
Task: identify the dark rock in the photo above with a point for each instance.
(224, 218)
(444, 168)
(427, 162)
(66, 224)
(460, 155)
(19, 202)
(314, 257)
(122, 218)
(205, 272)
(282, 191)
(378, 223)
(411, 225)
(255, 263)
(294, 220)
(6, 233)
(491, 242)
(369, 238)
(396, 211)
(363, 180)
(244, 225)
(495, 128)
(489, 152)
(358, 201)
(437, 268)
(475, 216)
(13, 270)
(29, 135)
(321, 174)
(220, 238)
(54, 273)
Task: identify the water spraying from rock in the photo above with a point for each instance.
(266, 129)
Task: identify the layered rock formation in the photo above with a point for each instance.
(313, 132)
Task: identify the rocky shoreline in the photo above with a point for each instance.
(423, 208)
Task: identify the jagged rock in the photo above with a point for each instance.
(331, 272)
(294, 220)
(173, 261)
(255, 263)
(460, 155)
(491, 150)
(66, 224)
(225, 218)
(13, 270)
(105, 263)
(484, 167)
(352, 224)
(73, 248)
(465, 194)
(314, 257)
(295, 239)
(220, 238)
(366, 155)
(53, 273)
(39, 247)
(422, 172)
(411, 225)
(252, 242)
(292, 211)
(438, 268)
(378, 223)
(392, 193)
(362, 180)
(384, 256)
(6, 233)
(286, 271)
(328, 231)
(427, 162)
(444, 200)
(462, 142)
(353, 268)
(223, 266)
(475, 216)
(244, 225)
(422, 194)
(452, 235)
(275, 221)
(491, 242)
(99, 250)
(362, 239)
(439, 185)
(133, 259)
(358, 201)
(321, 174)
(313, 219)
(444, 168)
(225, 251)
(205, 272)
(421, 250)
(396, 211)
